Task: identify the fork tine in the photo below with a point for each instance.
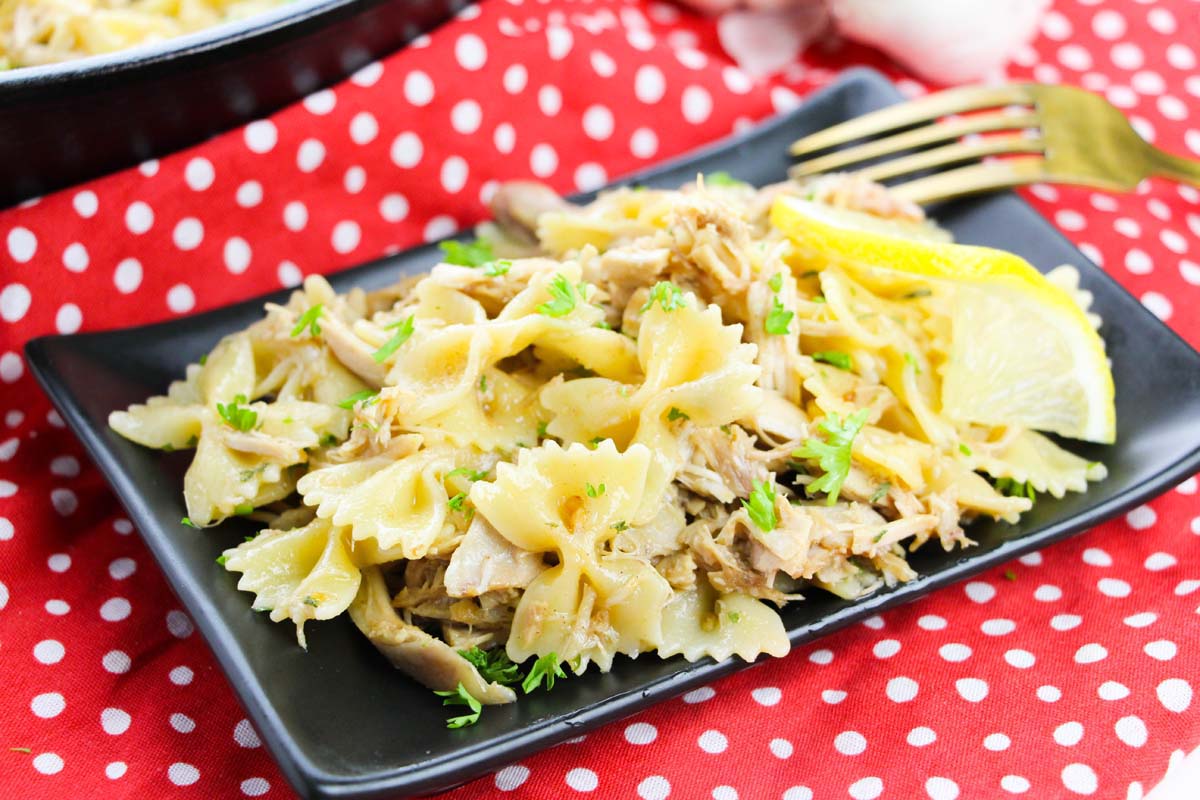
(952, 154)
(950, 101)
(975, 178)
(918, 137)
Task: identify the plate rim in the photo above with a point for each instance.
(438, 774)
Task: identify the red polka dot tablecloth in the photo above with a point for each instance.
(1071, 672)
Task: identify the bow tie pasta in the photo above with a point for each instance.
(643, 425)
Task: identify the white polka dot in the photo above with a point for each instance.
(470, 52)
(1070, 220)
(549, 100)
(696, 104)
(558, 41)
(489, 188)
(1190, 272)
(11, 369)
(115, 609)
(418, 88)
(310, 155)
(180, 298)
(833, 696)
(1108, 24)
(649, 85)
(68, 319)
(1065, 622)
(255, 787)
(866, 789)
(237, 255)
(931, 622)
(886, 648)
(1148, 82)
(59, 562)
(49, 651)
(1188, 485)
(1014, 784)
(1113, 587)
(1111, 690)
(1068, 734)
(199, 174)
(640, 733)
(767, 696)
(116, 662)
(182, 723)
(1049, 694)
(454, 174)
(370, 74)
(973, 690)
(114, 721)
(128, 276)
(56, 607)
(466, 116)
(640, 39)
(1090, 653)
(590, 176)
(1096, 557)
(48, 705)
(64, 501)
(393, 207)
(1033, 559)
(320, 102)
(699, 695)
(712, 742)
(8, 449)
(582, 780)
(954, 652)
(1173, 108)
(115, 770)
(86, 203)
(188, 233)
(850, 743)
(1127, 227)
(48, 763)
(996, 742)
(1161, 20)
(1047, 593)
(363, 128)
(979, 591)
(15, 300)
(998, 627)
(724, 793)
(543, 160)
(515, 78)
(603, 64)
(1073, 56)
(1021, 659)
(511, 778)
(149, 168)
(289, 274)
(249, 194)
(874, 622)
(821, 656)
(407, 150)
(261, 136)
(75, 257)
(245, 735)
(643, 143)
(941, 788)
(182, 676)
(1131, 730)
(295, 216)
(1157, 562)
(440, 227)
(1127, 55)
(1175, 694)
(781, 748)
(182, 774)
(179, 624)
(921, 737)
(1161, 650)
(1158, 304)
(598, 122)
(1079, 778)
(1141, 620)
(1180, 56)
(22, 244)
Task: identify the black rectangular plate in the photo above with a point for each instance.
(342, 723)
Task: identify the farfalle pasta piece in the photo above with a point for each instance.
(589, 606)
(699, 622)
(302, 574)
(1032, 458)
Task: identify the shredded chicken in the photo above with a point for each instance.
(485, 560)
(723, 465)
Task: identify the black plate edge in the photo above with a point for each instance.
(433, 776)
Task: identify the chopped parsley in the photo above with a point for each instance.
(309, 320)
(461, 697)
(1010, 575)
(779, 319)
(494, 269)
(236, 415)
(819, 298)
(366, 397)
(734, 616)
(204, 359)
(595, 440)
(309, 600)
(594, 491)
(667, 295)
(1015, 488)
(404, 329)
(563, 298)
(221, 559)
(620, 525)
(911, 360)
(483, 383)
(962, 448)
(456, 502)
(243, 509)
(675, 414)
(879, 535)
(761, 505)
(24, 750)
(468, 254)
(603, 325)
(543, 672)
(776, 282)
(471, 475)
(915, 293)
(722, 178)
(187, 521)
(836, 358)
(541, 429)
(493, 665)
(833, 454)
(328, 440)
(881, 492)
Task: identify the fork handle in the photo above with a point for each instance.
(1169, 165)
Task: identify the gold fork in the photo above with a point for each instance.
(1066, 135)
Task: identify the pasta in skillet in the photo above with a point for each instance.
(640, 425)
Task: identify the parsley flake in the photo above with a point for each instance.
(667, 295)
(1010, 575)
(494, 269)
(779, 319)
(915, 293)
(541, 429)
(461, 697)
(456, 502)
(563, 298)
(836, 358)
(309, 600)
(761, 505)
(1015, 488)
(675, 414)
(467, 254)
(24, 750)
(620, 525)
(221, 559)
(404, 329)
(471, 475)
(187, 521)
(236, 415)
(595, 491)
(309, 320)
(962, 448)
(776, 282)
(911, 360)
(881, 492)
(722, 178)
(493, 665)
(243, 509)
(366, 397)
(594, 441)
(833, 454)
(543, 672)
(734, 616)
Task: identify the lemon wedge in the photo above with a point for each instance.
(1023, 352)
